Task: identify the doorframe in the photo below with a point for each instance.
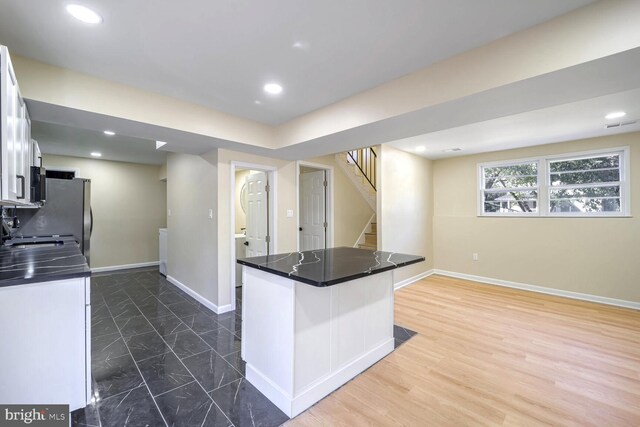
(330, 203)
(272, 178)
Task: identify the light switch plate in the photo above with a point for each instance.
(210, 213)
(289, 213)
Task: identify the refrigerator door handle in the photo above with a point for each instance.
(91, 219)
(22, 186)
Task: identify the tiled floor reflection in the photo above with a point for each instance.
(161, 358)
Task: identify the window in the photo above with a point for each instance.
(585, 184)
(582, 184)
(510, 188)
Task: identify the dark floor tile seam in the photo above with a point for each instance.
(156, 355)
(223, 358)
(175, 388)
(188, 370)
(140, 373)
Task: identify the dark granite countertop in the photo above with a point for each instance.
(329, 267)
(21, 264)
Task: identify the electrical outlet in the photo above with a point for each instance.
(475, 257)
(210, 213)
(289, 213)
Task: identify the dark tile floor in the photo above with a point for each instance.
(161, 358)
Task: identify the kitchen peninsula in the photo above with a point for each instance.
(313, 320)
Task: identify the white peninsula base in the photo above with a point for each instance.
(301, 342)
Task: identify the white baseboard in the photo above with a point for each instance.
(410, 280)
(202, 300)
(125, 266)
(293, 406)
(541, 289)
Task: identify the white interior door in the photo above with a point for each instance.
(257, 214)
(313, 211)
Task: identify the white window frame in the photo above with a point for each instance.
(481, 189)
(544, 185)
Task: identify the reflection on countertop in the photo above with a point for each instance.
(41, 259)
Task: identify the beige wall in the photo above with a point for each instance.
(351, 211)
(129, 205)
(405, 210)
(192, 189)
(597, 256)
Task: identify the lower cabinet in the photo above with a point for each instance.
(45, 331)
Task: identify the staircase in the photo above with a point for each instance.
(360, 167)
(369, 240)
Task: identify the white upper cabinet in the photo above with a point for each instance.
(15, 131)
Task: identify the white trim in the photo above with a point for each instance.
(406, 282)
(293, 406)
(202, 300)
(272, 173)
(541, 289)
(361, 237)
(124, 266)
(330, 200)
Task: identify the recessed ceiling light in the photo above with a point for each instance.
(615, 115)
(420, 149)
(300, 45)
(84, 14)
(109, 132)
(96, 154)
(257, 102)
(273, 88)
(452, 150)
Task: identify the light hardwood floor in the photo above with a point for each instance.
(486, 355)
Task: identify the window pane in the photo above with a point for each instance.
(511, 201)
(511, 176)
(594, 176)
(573, 193)
(511, 181)
(585, 205)
(608, 161)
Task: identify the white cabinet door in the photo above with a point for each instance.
(44, 336)
(11, 126)
(15, 133)
(21, 153)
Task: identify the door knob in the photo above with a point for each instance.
(300, 228)
(246, 243)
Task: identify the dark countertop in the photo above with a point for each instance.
(33, 264)
(331, 266)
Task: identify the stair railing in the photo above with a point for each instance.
(365, 161)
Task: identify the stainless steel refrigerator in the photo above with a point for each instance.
(67, 211)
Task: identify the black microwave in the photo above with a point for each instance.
(38, 184)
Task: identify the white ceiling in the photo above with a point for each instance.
(220, 53)
(571, 121)
(71, 141)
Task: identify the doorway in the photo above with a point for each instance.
(252, 217)
(315, 206)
